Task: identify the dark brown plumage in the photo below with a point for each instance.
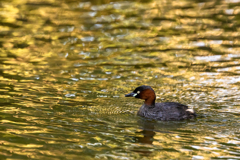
(166, 111)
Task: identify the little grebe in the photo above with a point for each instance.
(166, 111)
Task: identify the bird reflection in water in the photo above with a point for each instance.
(149, 130)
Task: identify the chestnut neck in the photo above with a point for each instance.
(149, 96)
(150, 101)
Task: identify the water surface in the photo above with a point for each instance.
(65, 67)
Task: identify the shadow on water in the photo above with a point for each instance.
(149, 128)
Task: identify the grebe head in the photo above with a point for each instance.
(144, 92)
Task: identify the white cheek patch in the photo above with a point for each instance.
(134, 94)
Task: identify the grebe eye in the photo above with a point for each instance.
(138, 92)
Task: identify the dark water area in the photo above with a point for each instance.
(66, 65)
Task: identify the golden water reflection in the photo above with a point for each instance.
(65, 66)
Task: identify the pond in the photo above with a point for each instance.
(65, 66)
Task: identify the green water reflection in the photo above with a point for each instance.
(66, 65)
